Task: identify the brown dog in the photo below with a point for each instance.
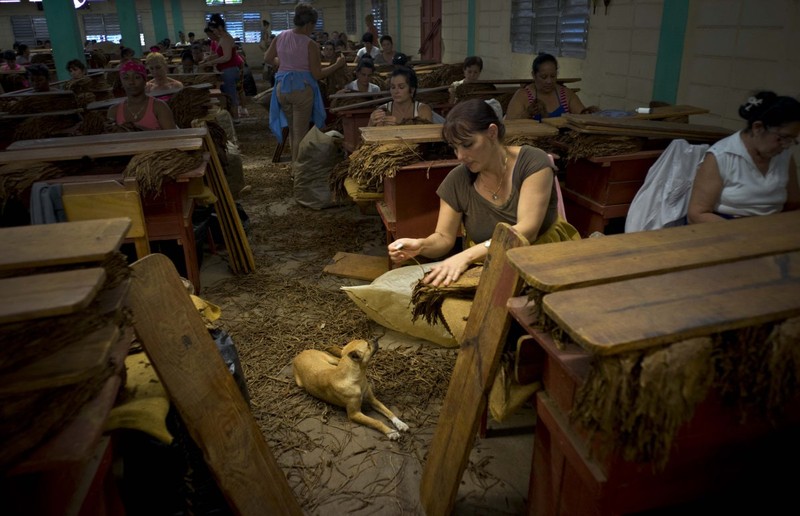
(339, 377)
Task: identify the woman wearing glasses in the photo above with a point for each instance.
(751, 172)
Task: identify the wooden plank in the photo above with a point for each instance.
(358, 266)
(204, 392)
(64, 243)
(138, 136)
(660, 112)
(236, 242)
(656, 310)
(474, 372)
(523, 82)
(424, 133)
(596, 122)
(616, 257)
(711, 136)
(47, 295)
(104, 150)
(63, 112)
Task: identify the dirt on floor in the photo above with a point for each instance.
(288, 304)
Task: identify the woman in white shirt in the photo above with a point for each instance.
(751, 172)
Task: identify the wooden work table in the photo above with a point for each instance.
(624, 298)
(638, 292)
(167, 215)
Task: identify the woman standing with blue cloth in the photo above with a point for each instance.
(296, 99)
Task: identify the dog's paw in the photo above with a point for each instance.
(393, 435)
(399, 424)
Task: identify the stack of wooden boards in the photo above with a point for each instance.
(241, 259)
(65, 336)
(594, 124)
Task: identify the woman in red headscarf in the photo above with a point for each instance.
(139, 109)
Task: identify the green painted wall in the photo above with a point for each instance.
(670, 50)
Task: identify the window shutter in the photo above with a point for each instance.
(252, 27)
(320, 20)
(521, 26)
(93, 27)
(350, 17)
(558, 27)
(23, 31)
(234, 24)
(573, 28)
(40, 30)
(545, 27)
(281, 20)
(113, 31)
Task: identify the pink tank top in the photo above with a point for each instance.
(148, 121)
(293, 51)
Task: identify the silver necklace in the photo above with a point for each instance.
(502, 178)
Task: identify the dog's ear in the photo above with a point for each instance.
(355, 355)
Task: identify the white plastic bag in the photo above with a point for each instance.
(663, 199)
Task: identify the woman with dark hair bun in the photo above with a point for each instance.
(751, 172)
(296, 99)
(494, 183)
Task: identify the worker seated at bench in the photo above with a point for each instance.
(544, 97)
(403, 108)
(157, 66)
(138, 111)
(40, 77)
(494, 183)
(751, 172)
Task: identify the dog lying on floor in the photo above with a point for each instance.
(339, 376)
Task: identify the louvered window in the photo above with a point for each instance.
(29, 29)
(379, 13)
(558, 27)
(350, 18)
(105, 27)
(244, 27)
(284, 20)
